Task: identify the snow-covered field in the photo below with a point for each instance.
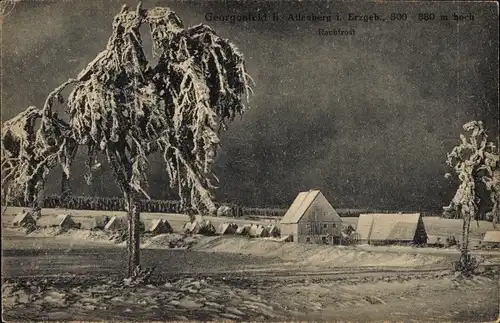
(76, 275)
(434, 225)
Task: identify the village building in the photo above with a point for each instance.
(116, 224)
(193, 227)
(160, 226)
(99, 222)
(190, 227)
(62, 220)
(311, 218)
(273, 230)
(391, 229)
(243, 230)
(491, 239)
(227, 228)
(204, 227)
(23, 219)
(258, 231)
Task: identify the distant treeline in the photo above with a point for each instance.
(169, 206)
(118, 204)
(103, 204)
(357, 212)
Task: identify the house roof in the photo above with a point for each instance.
(273, 228)
(258, 231)
(299, 206)
(492, 236)
(243, 230)
(116, 223)
(161, 225)
(22, 217)
(226, 228)
(398, 227)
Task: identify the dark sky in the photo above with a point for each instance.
(368, 118)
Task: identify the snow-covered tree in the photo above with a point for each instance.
(475, 162)
(32, 143)
(128, 108)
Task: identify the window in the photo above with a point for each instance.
(325, 226)
(308, 239)
(334, 225)
(325, 214)
(308, 225)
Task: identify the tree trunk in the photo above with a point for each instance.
(65, 190)
(118, 159)
(133, 237)
(464, 248)
(35, 199)
(71, 150)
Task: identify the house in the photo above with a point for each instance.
(204, 227)
(189, 227)
(273, 230)
(63, 221)
(168, 226)
(207, 228)
(160, 226)
(311, 218)
(227, 228)
(258, 231)
(491, 239)
(99, 222)
(116, 224)
(243, 230)
(391, 228)
(192, 227)
(23, 219)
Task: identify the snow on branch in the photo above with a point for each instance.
(126, 108)
(29, 152)
(475, 160)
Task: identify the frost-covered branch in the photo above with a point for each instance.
(176, 108)
(122, 106)
(32, 143)
(475, 162)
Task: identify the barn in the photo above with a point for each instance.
(311, 218)
(391, 229)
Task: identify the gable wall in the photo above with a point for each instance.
(319, 219)
(320, 210)
(420, 233)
